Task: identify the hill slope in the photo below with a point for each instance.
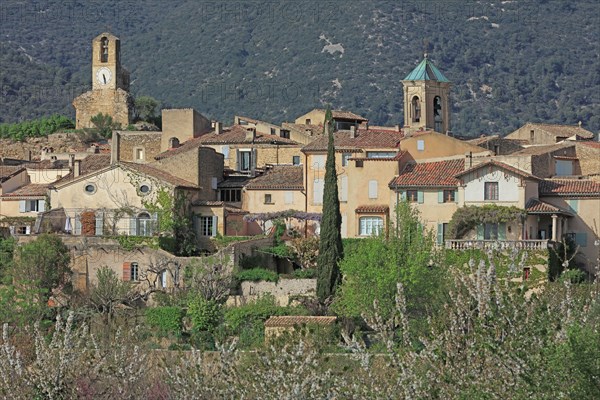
(510, 62)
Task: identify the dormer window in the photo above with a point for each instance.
(104, 49)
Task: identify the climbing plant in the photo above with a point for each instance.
(467, 218)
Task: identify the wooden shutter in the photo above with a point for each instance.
(253, 160)
(420, 197)
(238, 163)
(344, 188)
(77, 227)
(456, 196)
(441, 196)
(22, 206)
(132, 226)
(318, 186)
(440, 234)
(214, 225)
(502, 231)
(126, 271)
(99, 223)
(225, 151)
(41, 205)
(403, 195)
(373, 189)
(480, 232)
(289, 197)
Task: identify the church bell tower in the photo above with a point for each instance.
(110, 85)
(426, 99)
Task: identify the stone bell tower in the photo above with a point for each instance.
(110, 85)
(426, 99)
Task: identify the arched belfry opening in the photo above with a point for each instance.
(438, 116)
(416, 109)
(104, 49)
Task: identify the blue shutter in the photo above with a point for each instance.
(581, 239)
(440, 234)
(99, 224)
(420, 197)
(480, 232)
(441, 196)
(502, 231)
(214, 226)
(456, 196)
(403, 195)
(132, 226)
(573, 205)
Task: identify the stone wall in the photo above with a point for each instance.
(183, 124)
(116, 103)
(589, 157)
(284, 291)
(148, 141)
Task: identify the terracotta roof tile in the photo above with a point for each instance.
(280, 177)
(90, 164)
(146, 169)
(536, 206)
(7, 171)
(564, 130)
(232, 135)
(595, 145)
(569, 187)
(31, 190)
(341, 114)
(437, 174)
(499, 165)
(293, 320)
(364, 139)
(374, 208)
(543, 149)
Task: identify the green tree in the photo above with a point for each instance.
(145, 108)
(108, 292)
(103, 125)
(43, 263)
(330, 241)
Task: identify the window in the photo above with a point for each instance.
(104, 49)
(284, 133)
(420, 145)
(273, 131)
(345, 158)
(531, 136)
(490, 231)
(134, 272)
(370, 226)
(381, 154)
(296, 160)
(416, 109)
(449, 196)
(491, 191)
(138, 154)
(145, 225)
(308, 121)
(245, 161)
(412, 196)
(372, 189)
(173, 143)
(23, 230)
(268, 199)
(90, 188)
(208, 226)
(144, 189)
(231, 195)
(496, 149)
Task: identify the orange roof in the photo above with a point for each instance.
(280, 177)
(436, 174)
(372, 209)
(364, 139)
(501, 165)
(27, 191)
(569, 187)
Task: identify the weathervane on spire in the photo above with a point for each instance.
(425, 47)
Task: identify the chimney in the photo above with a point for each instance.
(71, 160)
(468, 160)
(353, 131)
(28, 156)
(114, 148)
(76, 168)
(579, 124)
(251, 134)
(398, 128)
(218, 128)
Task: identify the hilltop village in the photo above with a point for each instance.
(235, 181)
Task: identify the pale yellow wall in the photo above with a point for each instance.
(10, 208)
(317, 117)
(438, 146)
(14, 182)
(265, 154)
(431, 212)
(183, 124)
(254, 201)
(45, 176)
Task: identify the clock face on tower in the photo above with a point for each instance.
(103, 76)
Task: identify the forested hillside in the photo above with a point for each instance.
(510, 61)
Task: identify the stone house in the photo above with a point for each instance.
(545, 134)
(342, 120)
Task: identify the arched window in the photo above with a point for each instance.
(416, 109)
(173, 143)
(104, 49)
(145, 225)
(370, 225)
(437, 114)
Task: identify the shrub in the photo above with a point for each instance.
(204, 314)
(165, 319)
(305, 273)
(257, 274)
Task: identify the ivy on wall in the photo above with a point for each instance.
(467, 218)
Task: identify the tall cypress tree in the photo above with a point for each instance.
(330, 242)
